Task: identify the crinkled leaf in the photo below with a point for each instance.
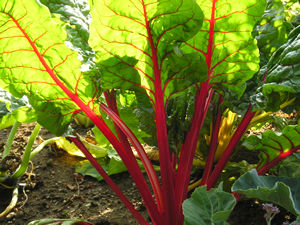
(76, 14)
(282, 191)
(208, 207)
(226, 43)
(273, 144)
(272, 30)
(59, 222)
(34, 61)
(136, 44)
(281, 75)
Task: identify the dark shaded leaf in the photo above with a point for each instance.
(272, 31)
(281, 76)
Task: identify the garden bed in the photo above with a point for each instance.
(54, 190)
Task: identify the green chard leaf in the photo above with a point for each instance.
(271, 33)
(34, 61)
(281, 76)
(136, 44)
(226, 43)
(208, 207)
(272, 30)
(272, 144)
(283, 191)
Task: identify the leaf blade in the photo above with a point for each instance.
(225, 41)
(35, 62)
(208, 207)
(138, 36)
(279, 190)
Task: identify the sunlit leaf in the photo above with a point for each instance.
(34, 61)
(226, 43)
(136, 41)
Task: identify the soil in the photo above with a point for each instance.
(54, 190)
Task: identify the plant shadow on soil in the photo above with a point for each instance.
(54, 190)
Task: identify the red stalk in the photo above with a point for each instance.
(123, 132)
(167, 173)
(201, 106)
(187, 151)
(133, 169)
(213, 146)
(110, 98)
(230, 148)
(141, 152)
(275, 161)
(108, 180)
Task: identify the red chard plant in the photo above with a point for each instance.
(179, 59)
